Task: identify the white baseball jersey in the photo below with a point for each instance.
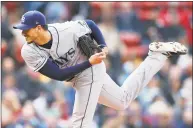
(64, 50)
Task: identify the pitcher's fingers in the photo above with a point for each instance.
(104, 51)
(100, 54)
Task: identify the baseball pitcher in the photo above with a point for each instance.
(74, 51)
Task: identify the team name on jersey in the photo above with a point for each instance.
(64, 59)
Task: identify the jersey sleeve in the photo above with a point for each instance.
(33, 58)
(81, 28)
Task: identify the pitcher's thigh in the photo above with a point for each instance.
(112, 95)
(86, 99)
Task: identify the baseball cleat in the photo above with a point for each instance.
(168, 48)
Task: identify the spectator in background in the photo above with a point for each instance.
(7, 117)
(173, 30)
(128, 68)
(186, 90)
(80, 11)
(61, 104)
(164, 82)
(134, 115)
(187, 118)
(12, 107)
(56, 111)
(10, 39)
(7, 35)
(28, 117)
(149, 93)
(129, 119)
(70, 97)
(9, 83)
(34, 6)
(28, 82)
(160, 114)
(183, 106)
(149, 27)
(3, 48)
(8, 66)
(126, 18)
(118, 121)
(56, 12)
(174, 82)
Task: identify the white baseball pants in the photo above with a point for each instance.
(95, 86)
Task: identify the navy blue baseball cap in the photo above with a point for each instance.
(31, 19)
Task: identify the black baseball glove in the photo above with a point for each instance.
(88, 46)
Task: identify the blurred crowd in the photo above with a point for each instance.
(31, 100)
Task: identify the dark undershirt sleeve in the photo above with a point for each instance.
(52, 71)
(96, 33)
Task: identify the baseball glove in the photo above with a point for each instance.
(88, 46)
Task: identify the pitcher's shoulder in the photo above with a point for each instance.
(61, 26)
(28, 49)
(27, 46)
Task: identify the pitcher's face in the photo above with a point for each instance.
(30, 34)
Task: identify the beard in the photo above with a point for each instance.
(28, 40)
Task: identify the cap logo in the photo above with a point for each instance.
(22, 19)
(37, 22)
